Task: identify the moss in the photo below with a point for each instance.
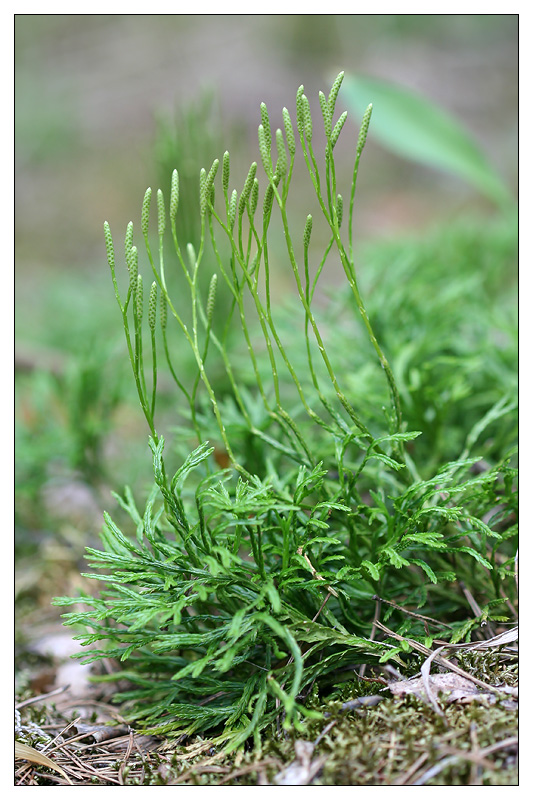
(396, 742)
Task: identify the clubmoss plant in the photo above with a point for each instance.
(252, 572)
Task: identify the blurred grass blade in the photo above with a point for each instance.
(28, 753)
(411, 126)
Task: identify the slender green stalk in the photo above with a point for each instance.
(330, 216)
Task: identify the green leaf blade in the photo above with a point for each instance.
(412, 127)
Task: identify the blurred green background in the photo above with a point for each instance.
(89, 90)
(107, 105)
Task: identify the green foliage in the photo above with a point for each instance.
(413, 127)
(64, 419)
(445, 309)
(193, 137)
(309, 487)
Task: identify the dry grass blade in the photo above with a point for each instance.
(420, 648)
(404, 779)
(431, 696)
(409, 613)
(496, 641)
(126, 757)
(478, 758)
(28, 753)
(40, 697)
